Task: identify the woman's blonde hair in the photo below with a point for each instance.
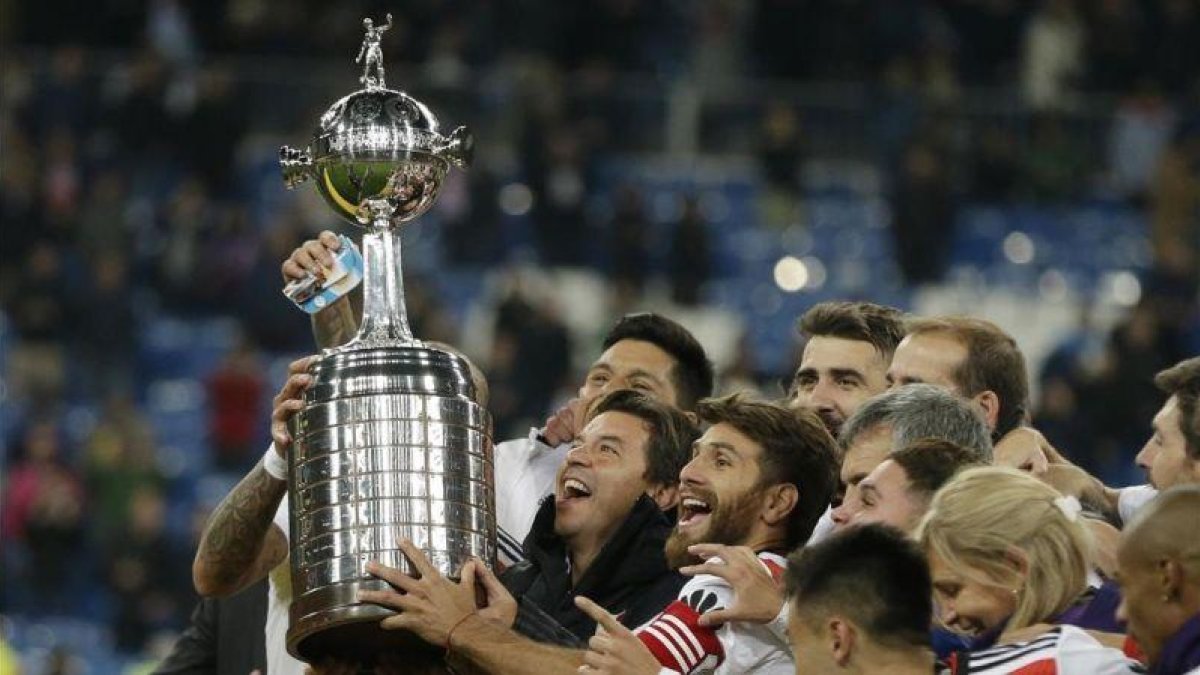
(983, 516)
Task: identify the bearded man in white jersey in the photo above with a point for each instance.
(760, 477)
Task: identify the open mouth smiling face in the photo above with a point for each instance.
(573, 489)
(695, 510)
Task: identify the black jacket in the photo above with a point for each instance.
(226, 636)
(629, 578)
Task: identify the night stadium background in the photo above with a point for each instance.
(728, 163)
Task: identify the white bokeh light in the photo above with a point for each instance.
(791, 274)
(1018, 248)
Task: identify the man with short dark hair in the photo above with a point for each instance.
(895, 419)
(971, 357)
(861, 602)
(760, 477)
(846, 356)
(898, 491)
(648, 353)
(1170, 457)
(602, 533)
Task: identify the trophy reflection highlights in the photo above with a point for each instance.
(392, 442)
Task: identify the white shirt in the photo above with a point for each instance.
(823, 528)
(279, 599)
(1130, 500)
(525, 471)
(682, 645)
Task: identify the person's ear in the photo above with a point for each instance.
(1171, 579)
(840, 636)
(666, 496)
(989, 403)
(1016, 559)
(779, 503)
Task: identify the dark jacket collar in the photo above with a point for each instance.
(1181, 653)
(632, 556)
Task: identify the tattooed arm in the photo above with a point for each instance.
(240, 544)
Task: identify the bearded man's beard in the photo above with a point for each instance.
(729, 525)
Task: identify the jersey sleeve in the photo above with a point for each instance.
(282, 520)
(675, 636)
(1079, 652)
(1130, 500)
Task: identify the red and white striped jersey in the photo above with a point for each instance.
(682, 645)
(1062, 650)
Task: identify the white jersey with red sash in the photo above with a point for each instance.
(682, 645)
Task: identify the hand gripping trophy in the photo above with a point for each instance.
(392, 442)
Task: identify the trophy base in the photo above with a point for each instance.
(353, 635)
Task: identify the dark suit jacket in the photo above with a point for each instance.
(226, 637)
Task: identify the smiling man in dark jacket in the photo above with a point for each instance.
(601, 534)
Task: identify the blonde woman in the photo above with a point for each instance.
(1007, 553)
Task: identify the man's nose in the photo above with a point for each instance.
(580, 455)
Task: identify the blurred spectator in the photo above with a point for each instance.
(106, 342)
(989, 39)
(530, 360)
(21, 213)
(1140, 132)
(39, 311)
(691, 257)
(779, 155)
(274, 325)
(64, 100)
(923, 214)
(104, 229)
(1175, 45)
(994, 176)
(1053, 57)
(148, 572)
(236, 392)
(62, 182)
(560, 187)
(43, 511)
(187, 224)
(138, 114)
(213, 129)
(629, 254)
(1175, 196)
(470, 208)
(169, 32)
(119, 461)
(1139, 347)
(1064, 420)
(1116, 30)
(1054, 163)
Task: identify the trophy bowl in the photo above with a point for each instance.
(378, 151)
(393, 442)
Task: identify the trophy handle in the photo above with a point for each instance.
(459, 148)
(296, 166)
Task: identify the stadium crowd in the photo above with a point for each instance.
(919, 496)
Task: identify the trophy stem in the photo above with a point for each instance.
(385, 319)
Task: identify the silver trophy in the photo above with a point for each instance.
(392, 442)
